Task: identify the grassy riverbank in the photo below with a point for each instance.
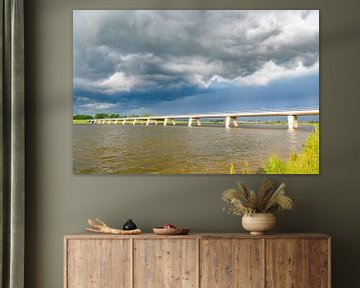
(305, 162)
(80, 121)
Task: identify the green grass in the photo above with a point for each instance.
(315, 124)
(305, 162)
(80, 122)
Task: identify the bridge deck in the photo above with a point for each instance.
(231, 118)
(223, 115)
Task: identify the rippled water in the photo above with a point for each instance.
(117, 149)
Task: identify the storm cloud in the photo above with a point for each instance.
(131, 56)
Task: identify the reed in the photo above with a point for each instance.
(305, 162)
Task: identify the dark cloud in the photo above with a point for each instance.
(159, 47)
(126, 58)
(285, 94)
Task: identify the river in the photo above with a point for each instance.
(117, 149)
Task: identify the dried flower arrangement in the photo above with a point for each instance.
(268, 200)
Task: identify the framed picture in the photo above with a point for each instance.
(195, 92)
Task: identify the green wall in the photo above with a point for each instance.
(59, 203)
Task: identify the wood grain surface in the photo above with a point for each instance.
(165, 263)
(98, 263)
(231, 263)
(319, 263)
(88, 235)
(287, 263)
(197, 260)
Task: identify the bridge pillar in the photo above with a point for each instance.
(134, 122)
(166, 121)
(228, 122)
(116, 122)
(173, 122)
(231, 121)
(123, 122)
(190, 121)
(234, 121)
(147, 122)
(103, 122)
(292, 122)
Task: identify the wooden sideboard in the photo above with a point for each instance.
(197, 260)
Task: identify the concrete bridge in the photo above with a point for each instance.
(231, 119)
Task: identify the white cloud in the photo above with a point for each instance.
(122, 50)
(118, 82)
(270, 72)
(193, 65)
(199, 80)
(96, 106)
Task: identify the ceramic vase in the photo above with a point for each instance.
(259, 223)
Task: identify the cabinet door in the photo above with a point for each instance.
(165, 263)
(231, 263)
(98, 263)
(320, 263)
(287, 263)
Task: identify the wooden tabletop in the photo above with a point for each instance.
(88, 235)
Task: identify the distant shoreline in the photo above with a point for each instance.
(278, 123)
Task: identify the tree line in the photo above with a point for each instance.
(105, 115)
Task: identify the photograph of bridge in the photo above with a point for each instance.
(196, 92)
